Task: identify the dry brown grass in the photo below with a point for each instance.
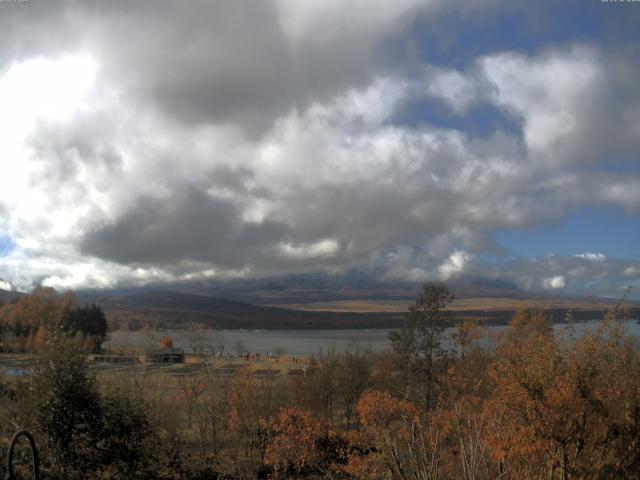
(487, 304)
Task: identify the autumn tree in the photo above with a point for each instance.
(210, 412)
(466, 336)
(302, 445)
(240, 347)
(568, 410)
(21, 318)
(465, 378)
(352, 379)
(405, 446)
(195, 334)
(317, 390)
(166, 342)
(418, 341)
(292, 448)
(191, 388)
(252, 403)
(216, 343)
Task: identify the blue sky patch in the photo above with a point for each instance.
(6, 245)
(607, 230)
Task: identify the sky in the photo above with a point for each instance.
(153, 142)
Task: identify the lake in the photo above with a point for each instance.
(301, 342)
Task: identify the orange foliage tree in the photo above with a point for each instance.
(21, 318)
(406, 445)
(565, 410)
(301, 445)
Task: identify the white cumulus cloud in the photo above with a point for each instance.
(454, 264)
(555, 282)
(162, 155)
(594, 257)
(321, 249)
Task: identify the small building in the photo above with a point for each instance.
(127, 359)
(166, 355)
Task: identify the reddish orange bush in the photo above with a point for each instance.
(166, 342)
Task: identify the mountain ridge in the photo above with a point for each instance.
(175, 309)
(9, 295)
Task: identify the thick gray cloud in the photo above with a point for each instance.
(238, 62)
(187, 226)
(171, 141)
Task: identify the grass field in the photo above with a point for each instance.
(459, 305)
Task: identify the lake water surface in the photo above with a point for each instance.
(302, 342)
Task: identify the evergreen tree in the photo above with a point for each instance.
(419, 339)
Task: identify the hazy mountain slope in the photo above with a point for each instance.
(317, 288)
(177, 308)
(7, 296)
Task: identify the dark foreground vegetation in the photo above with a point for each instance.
(536, 406)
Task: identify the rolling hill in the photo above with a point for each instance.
(8, 295)
(175, 309)
(319, 302)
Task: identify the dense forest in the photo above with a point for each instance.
(536, 405)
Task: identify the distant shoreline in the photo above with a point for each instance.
(302, 342)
